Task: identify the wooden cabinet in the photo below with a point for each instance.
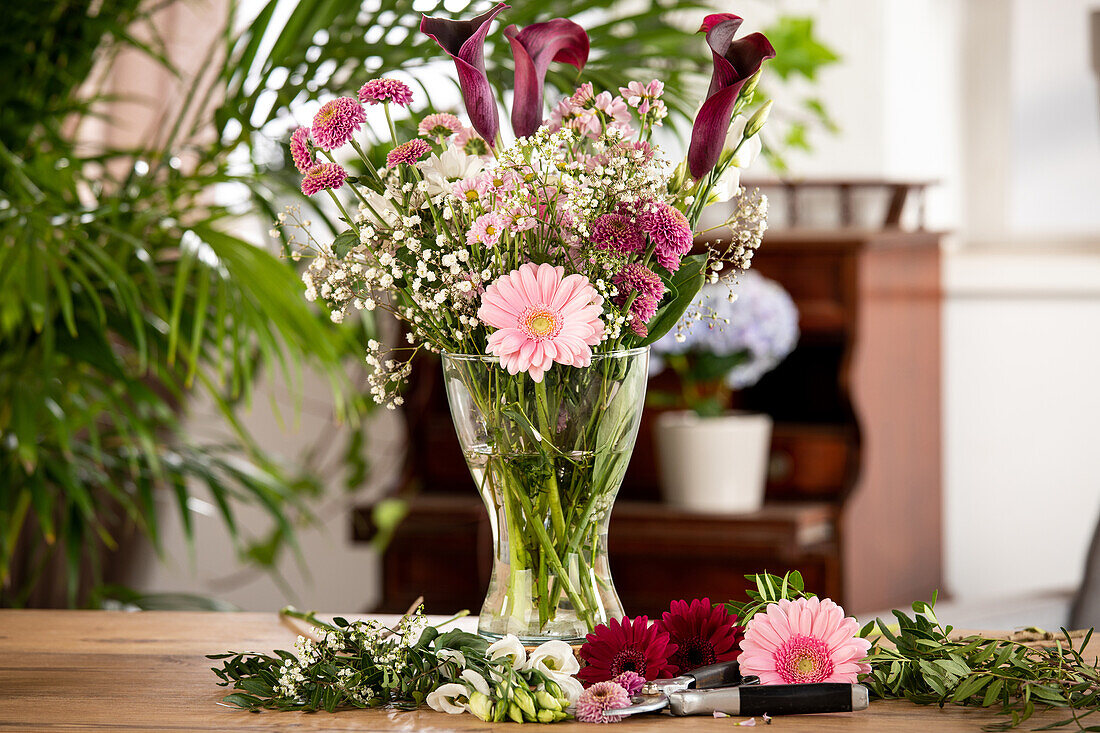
(854, 479)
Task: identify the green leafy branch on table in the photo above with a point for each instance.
(921, 660)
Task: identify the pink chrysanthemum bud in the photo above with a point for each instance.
(299, 150)
(322, 176)
(385, 90)
(337, 122)
(439, 126)
(407, 153)
(632, 682)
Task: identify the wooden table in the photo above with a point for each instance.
(101, 670)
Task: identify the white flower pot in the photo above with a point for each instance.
(714, 464)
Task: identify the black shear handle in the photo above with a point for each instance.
(722, 674)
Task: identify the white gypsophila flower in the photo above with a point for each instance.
(553, 656)
(508, 646)
(476, 681)
(445, 698)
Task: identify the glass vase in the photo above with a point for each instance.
(548, 458)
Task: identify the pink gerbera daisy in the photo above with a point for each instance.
(486, 230)
(593, 704)
(337, 122)
(322, 176)
(617, 233)
(805, 640)
(705, 634)
(299, 150)
(670, 232)
(407, 153)
(471, 189)
(439, 126)
(542, 317)
(626, 646)
(385, 90)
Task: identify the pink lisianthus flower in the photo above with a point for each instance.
(487, 230)
(805, 640)
(337, 122)
(541, 317)
(615, 109)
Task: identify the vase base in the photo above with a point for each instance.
(533, 641)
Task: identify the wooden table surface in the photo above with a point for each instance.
(102, 670)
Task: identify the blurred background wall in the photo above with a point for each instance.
(995, 100)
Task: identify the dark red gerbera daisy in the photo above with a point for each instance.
(629, 646)
(703, 634)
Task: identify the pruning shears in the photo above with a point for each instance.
(720, 688)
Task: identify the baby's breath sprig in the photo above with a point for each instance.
(365, 664)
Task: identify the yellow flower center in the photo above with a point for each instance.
(539, 322)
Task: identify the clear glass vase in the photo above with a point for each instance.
(548, 458)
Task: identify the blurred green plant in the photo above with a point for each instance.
(125, 287)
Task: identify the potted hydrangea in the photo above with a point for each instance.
(711, 458)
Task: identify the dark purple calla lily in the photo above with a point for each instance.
(464, 40)
(534, 48)
(735, 61)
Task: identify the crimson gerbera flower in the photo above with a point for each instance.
(704, 634)
(626, 646)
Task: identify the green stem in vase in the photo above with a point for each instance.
(543, 415)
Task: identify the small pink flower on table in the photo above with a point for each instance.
(541, 317)
(594, 703)
(805, 640)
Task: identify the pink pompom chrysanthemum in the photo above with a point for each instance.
(407, 153)
(593, 704)
(805, 640)
(670, 232)
(299, 150)
(541, 317)
(337, 122)
(322, 176)
(486, 230)
(441, 125)
(385, 90)
(632, 682)
(646, 287)
(617, 233)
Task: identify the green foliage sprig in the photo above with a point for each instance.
(364, 664)
(918, 659)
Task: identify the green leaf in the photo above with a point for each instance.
(344, 243)
(683, 286)
(798, 51)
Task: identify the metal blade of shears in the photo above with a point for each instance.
(643, 704)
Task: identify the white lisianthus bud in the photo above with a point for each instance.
(756, 122)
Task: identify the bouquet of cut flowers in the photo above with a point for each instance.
(540, 269)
